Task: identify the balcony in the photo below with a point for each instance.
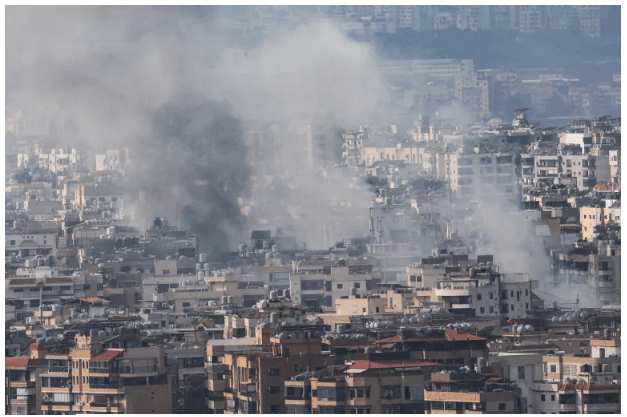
(59, 369)
(23, 398)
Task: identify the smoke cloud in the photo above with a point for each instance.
(162, 82)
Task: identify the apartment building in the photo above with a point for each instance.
(443, 68)
(22, 384)
(591, 218)
(473, 92)
(106, 374)
(56, 160)
(353, 142)
(255, 381)
(467, 392)
(30, 243)
(439, 346)
(376, 385)
(324, 283)
(482, 174)
(111, 160)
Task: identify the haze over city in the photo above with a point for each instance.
(236, 209)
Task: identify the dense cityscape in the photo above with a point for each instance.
(261, 210)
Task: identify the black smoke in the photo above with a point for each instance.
(193, 167)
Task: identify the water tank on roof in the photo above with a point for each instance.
(353, 291)
(595, 367)
(607, 333)
(275, 248)
(404, 320)
(370, 349)
(583, 315)
(211, 303)
(206, 266)
(40, 262)
(224, 299)
(286, 293)
(274, 317)
(481, 362)
(529, 328)
(231, 299)
(606, 367)
(202, 258)
(93, 332)
(273, 295)
(341, 328)
(555, 319)
(198, 266)
(571, 318)
(268, 255)
(181, 257)
(562, 319)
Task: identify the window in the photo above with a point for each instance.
(521, 372)
(491, 296)
(553, 368)
(368, 391)
(18, 290)
(552, 397)
(65, 288)
(512, 294)
(274, 372)
(186, 304)
(34, 289)
(166, 272)
(526, 292)
(363, 310)
(357, 285)
(13, 242)
(542, 397)
(478, 297)
(491, 309)
(501, 406)
(512, 308)
(99, 287)
(274, 390)
(340, 286)
(377, 309)
(482, 310)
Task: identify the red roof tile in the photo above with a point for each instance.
(58, 280)
(363, 364)
(395, 339)
(15, 362)
(106, 356)
(452, 335)
(22, 281)
(588, 387)
(94, 299)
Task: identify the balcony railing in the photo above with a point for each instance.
(60, 369)
(103, 386)
(23, 397)
(99, 404)
(64, 403)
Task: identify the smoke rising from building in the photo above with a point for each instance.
(160, 82)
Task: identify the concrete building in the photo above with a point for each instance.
(471, 175)
(97, 377)
(466, 392)
(22, 385)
